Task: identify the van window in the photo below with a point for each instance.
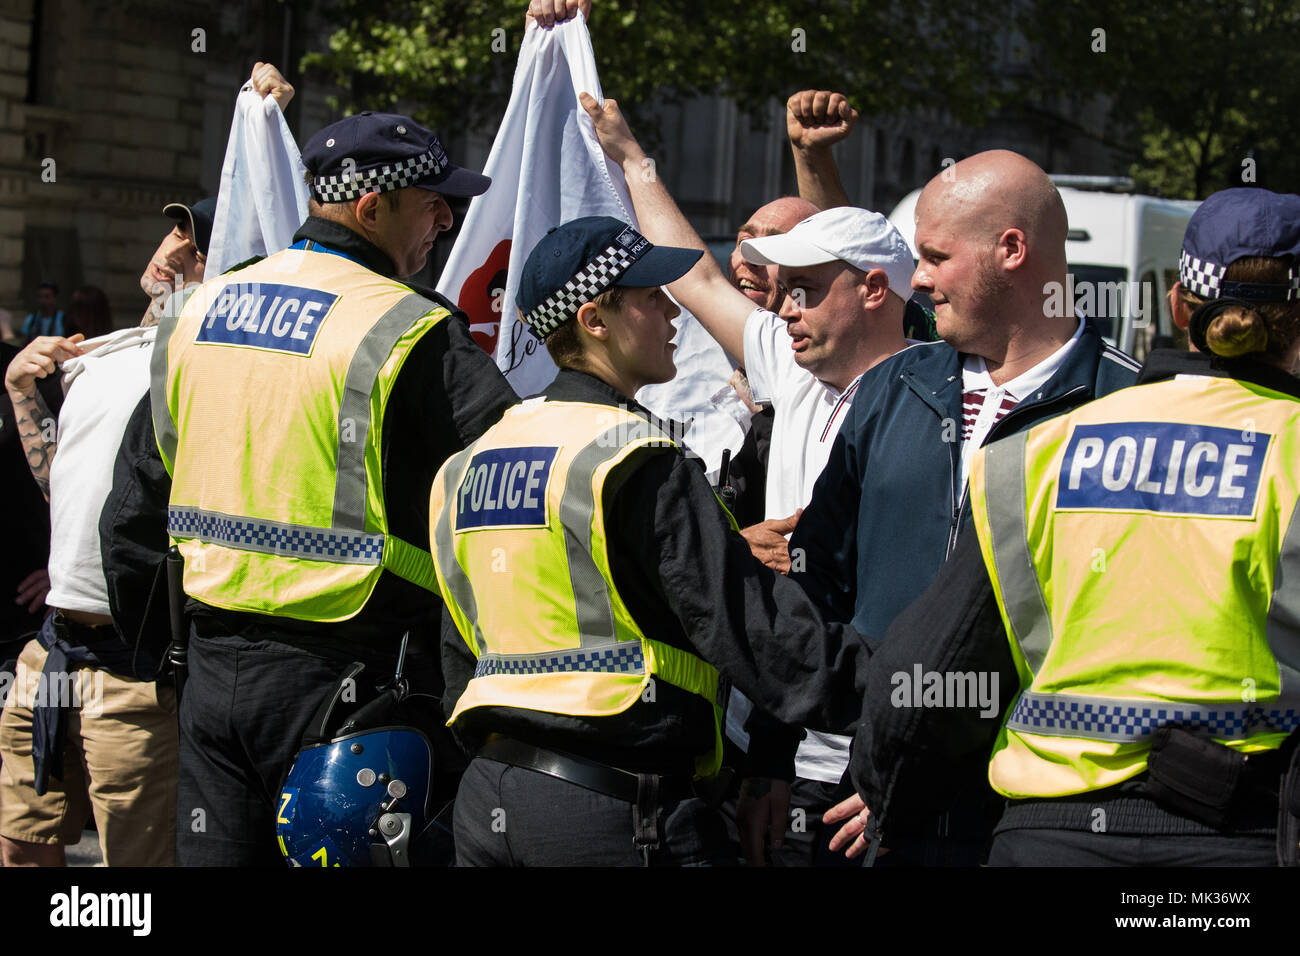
(1144, 335)
(1101, 294)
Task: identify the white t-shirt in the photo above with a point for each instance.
(104, 388)
(809, 414)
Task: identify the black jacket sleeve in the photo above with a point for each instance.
(756, 626)
(133, 535)
(910, 762)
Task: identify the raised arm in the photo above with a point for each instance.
(816, 120)
(37, 426)
(705, 291)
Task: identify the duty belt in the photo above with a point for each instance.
(644, 791)
(621, 784)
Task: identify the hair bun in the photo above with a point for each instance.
(1237, 330)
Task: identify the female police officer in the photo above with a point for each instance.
(599, 588)
(1132, 574)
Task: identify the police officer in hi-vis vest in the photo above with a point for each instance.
(601, 592)
(1130, 589)
(302, 406)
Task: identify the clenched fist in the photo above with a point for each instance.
(816, 118)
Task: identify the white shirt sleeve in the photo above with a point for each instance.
(769, 360)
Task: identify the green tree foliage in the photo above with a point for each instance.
(1206, 92)
(437, 57)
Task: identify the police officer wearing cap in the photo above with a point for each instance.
(601, 593)
(1130, 579)
(302, 406)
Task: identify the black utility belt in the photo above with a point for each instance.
(602, 778)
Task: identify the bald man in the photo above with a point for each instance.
(886, 511)
(814, 299)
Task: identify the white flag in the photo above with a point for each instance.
(547, 168)
(263, 197)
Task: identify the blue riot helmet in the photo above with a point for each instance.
(358, 793)
(359, 800)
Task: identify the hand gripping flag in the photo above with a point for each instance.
(547, 167)
(263, 197)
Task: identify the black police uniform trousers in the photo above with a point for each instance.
(513, 816)
(1121, 827)
(244, 709)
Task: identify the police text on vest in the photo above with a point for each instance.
(282, 318)
(505, 488)
(1167, 467)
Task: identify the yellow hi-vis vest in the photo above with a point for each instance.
(268, 398)
(1145, 552)
(522, 560)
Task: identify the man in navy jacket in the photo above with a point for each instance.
(887, 509)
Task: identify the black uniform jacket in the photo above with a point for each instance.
(910, 762)
(447, 394)
(690, 581)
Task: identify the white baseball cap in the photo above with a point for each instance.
(864, 239)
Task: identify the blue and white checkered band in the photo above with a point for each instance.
(349, 185)
(590, 281)
(1200, 277)
(1206, 280)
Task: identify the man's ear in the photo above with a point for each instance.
(874, 288)
(1014, 248)
(1179, 308)
(367, 210)
(591, 321)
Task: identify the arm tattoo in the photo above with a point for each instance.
(37, 430)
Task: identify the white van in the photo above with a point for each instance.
(1122, 249)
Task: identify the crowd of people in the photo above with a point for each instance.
(1002, 594)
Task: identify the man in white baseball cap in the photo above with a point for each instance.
(843, 279)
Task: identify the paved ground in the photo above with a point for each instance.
(86, 853)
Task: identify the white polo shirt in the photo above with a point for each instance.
(808, 417)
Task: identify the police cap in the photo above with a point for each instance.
(380, 152)
(1233, 224)
(577, 261)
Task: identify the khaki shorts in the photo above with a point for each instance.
(119, 759)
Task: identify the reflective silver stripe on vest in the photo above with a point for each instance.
(339, 546)
(1004, 491)
(1282, 626)
(453, 574)
(620, 657)
(595, 611)
(375, 348)
(164, 428)
(1131, 721)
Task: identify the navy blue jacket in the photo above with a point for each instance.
(886, 510)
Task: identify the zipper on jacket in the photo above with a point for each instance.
(954, 454)
(875, 833)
